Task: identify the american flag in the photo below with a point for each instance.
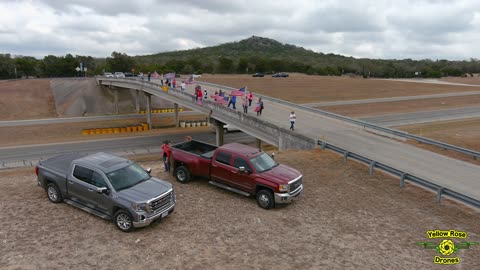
(240, 92)
(170, 75)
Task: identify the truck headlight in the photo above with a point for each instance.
(283, 188)
(139, 206)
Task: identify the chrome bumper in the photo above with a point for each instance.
(288, 197)
(148, 220)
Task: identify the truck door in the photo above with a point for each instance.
(245, 180)
(221, 167)
(81, 188)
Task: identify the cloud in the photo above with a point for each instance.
(361, 28)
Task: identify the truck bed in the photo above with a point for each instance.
(197, 148)
(61, 164)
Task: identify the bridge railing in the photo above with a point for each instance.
(395, 132)
(252, 125)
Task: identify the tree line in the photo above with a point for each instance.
(333, 65)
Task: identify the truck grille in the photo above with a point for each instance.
(161, 203)
(296, 184)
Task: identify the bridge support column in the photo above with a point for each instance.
(176, 118)
(258, 143)
(219, 132)
(115, 95)
(137, 101)
(149, 110)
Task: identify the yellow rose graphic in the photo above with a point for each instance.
(446, 247)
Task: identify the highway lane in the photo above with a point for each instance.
(16, 123)
(388, 99)
(29, 155)
(402, 119)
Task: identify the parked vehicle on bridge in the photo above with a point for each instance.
(108, 75)
(239, 168)
(226, 128)
(280, 75)
(108, 186)
(258, 74)
(119, 75)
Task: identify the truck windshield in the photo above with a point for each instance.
(127, 177)
(263, 163)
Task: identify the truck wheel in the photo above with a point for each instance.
(182, 174)
(265, 199)
(53, 193)
(123, 220)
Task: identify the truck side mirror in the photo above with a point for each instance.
(102, 190)
(273, 156)
(241, 169)
(149, 170)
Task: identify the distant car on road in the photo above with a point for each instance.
(119, 75)
(226, 128)
(280, 75)
(128, 74)
(258, 75)
(108, 75)
(196, 75)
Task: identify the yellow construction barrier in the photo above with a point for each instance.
(98, 131)
(116, 130)
(145, 127)
(134, 129)
(85, 132)
(140, 128)
(123, 130)
(165, 88)
(91, 131)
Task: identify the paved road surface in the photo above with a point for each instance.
(16, 123)
(388, 99)
(21, 156)
(402, 119)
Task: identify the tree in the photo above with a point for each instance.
(225, 65)
(7, 67)
(120, 62)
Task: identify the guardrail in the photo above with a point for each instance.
(403, 176)
(396, 132)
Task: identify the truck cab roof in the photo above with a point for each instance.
(103, 161)
(242, 149)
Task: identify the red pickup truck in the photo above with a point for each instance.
(238, 168)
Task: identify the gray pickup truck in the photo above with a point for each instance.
(108, 186)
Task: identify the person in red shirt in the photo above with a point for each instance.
(166, 154)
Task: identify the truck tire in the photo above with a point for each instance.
(53, 193)
(123, 220)
(182, 174)
(265, 199)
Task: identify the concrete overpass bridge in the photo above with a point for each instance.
(444, 175)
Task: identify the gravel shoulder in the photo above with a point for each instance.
(346, 219)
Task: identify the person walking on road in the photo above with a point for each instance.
(149, 76)
(245, 104)
(233, 100)
(293, 118)
(166, 154)
(259, 107)
(250, 99)
(183, 86)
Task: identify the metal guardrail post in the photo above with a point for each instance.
(439, 195)
(402, 180)
(372, 166)
(345, 156)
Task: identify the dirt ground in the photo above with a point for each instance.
(300, 88)
(346, 219)
(467, 80)
(463, 133)
(26, 99)
(393, 107)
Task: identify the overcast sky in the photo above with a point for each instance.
(434, 29)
